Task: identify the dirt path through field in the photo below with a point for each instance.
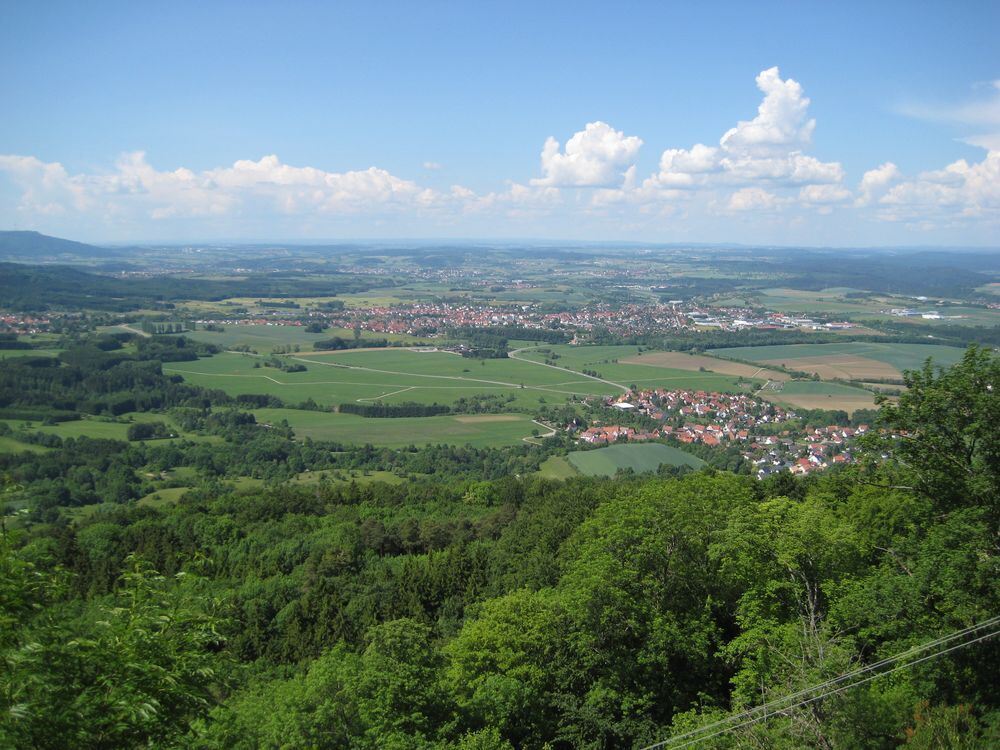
(513, 355)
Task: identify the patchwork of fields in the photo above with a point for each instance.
(618, 365)
(697, 362)
(396, 375)
(390, 376)
(848, 360)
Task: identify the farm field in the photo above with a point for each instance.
(640, 457)
(261, 338)
(400, 338)
(557, 467)
(849, 360)
(624, 373)
(479, 431)
(951, 315)
(391, 375)
(391, 296)
(693, 362)
(264, 338)
(831, 300)
(809, 394)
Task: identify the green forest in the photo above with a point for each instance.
(475, 605)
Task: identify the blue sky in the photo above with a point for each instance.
(133, 122)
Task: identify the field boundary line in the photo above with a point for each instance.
(513, 355)
(226, 375)
(391, 393)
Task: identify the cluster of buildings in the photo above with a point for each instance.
(23, 324)
(620, 320)
(906, 312)
(769, 436)
(804, 453)
(738, 319)
(279, 318)
(428, 318)
(433, 318)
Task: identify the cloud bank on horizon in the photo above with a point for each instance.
(759, 170)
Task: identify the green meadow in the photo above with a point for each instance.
(261, 338)
(389, 375)
(831, 300)
(640, 457)
(396, 375)
(557, 467)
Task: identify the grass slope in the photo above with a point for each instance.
(640, 457)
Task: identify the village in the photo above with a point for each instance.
(768, 436)
(430, 319)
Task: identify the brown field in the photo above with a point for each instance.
(846, 366)
(474, 418)
(684, 361)
(812, 401)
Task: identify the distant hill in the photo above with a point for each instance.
(35, 245)
(38, 288)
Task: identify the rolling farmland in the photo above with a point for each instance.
(396, 375)
(617, 364)
(388, 375)
(695, 362)
(849, 360)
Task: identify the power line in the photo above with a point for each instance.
(776, 706)
(836, 691)
(940, 640)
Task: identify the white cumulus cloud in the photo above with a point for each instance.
(767, 150)
(597, 156)
(960, 191)
(754, 199)
(135, 188)
(875, 182)
(782, 120)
